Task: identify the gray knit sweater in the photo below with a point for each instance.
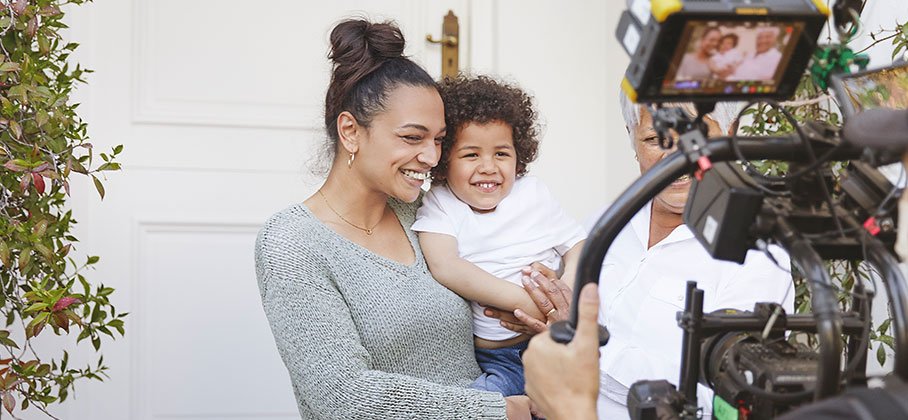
(363, 336)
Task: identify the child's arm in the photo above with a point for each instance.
(571, 259)
(470, 281)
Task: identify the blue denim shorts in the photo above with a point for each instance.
(502, 370)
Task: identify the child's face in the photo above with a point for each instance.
(726, 44)
(483, 165)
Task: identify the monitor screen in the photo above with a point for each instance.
(731, 57)
(883, 88)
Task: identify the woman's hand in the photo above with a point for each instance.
(551, 295)
(518, 407)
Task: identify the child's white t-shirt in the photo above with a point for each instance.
(526, 227)
(731, 58)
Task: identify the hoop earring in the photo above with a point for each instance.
(350, 161)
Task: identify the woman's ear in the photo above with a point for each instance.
(349, 132)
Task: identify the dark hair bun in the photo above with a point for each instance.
(365, 45)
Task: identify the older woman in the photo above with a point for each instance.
(363, 328)
(644, 274)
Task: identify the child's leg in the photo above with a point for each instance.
(502, 370)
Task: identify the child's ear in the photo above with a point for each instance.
(349, 132)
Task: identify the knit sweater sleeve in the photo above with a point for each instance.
(329, 368)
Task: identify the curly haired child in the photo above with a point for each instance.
(484, 221)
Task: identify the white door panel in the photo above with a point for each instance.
(218, 104)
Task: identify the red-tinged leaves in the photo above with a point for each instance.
(32, 27)
(24, 182)
(9, 402)
(64, 251)
(42, 167)
(72, 317)
(50, 10)
(36, 325)
(65, 302)
(19, 6)
(13, 166)
(61, 321)
(39, 182)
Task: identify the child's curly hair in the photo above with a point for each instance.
(482, 100)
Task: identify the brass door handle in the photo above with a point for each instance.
(449, 41)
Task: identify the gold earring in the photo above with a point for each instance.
(350, 161)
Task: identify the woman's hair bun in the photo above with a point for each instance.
(360, 43)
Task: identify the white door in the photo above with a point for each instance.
(218, 103)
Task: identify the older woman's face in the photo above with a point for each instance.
(646, 145)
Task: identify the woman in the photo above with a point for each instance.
(363, 328)
(695, 65)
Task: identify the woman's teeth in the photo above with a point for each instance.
(486, 185)
(422, 176)
(683, 178)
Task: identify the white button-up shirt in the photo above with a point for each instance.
(642, 289)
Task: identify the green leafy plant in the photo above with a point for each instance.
(812, 103)
(43, 142)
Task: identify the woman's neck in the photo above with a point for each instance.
(661, 223)
(348, 195)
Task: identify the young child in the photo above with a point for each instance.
(728, 57)
(483, 221)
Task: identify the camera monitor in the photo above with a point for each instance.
(721, 50)
(728, 57)
(881, 88)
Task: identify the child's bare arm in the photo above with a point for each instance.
(470, 281)
(571, 259)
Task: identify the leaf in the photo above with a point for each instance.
(93, 259)
(884, 326)
(13, 166)
(4, 254)
(41, 118)
(65, 303)
(25, 257)
(9, 402)
(881, 355)
(15, 129)
(117, 149)
(98, 186)
(9, 66)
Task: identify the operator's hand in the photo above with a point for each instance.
(563, 380)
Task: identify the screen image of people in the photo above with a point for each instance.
(726, 56)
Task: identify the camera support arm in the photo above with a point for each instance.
(823, 305)
(655, 180)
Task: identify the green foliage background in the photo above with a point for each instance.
(43, 143)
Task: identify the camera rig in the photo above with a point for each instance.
(744, 356)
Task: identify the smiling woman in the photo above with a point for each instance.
(363, 328)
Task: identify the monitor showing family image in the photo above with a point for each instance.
(731, 57)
